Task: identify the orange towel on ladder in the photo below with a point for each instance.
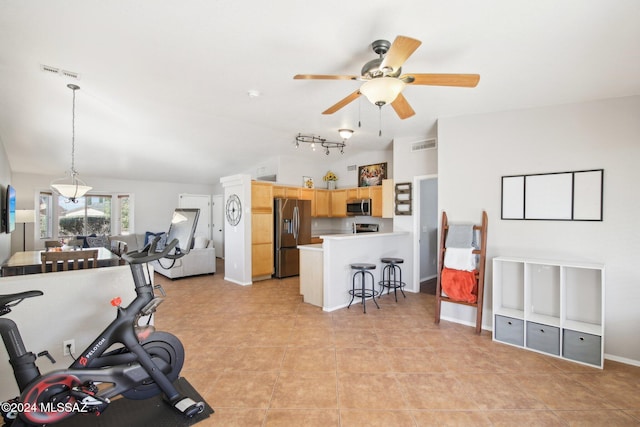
(459, 285)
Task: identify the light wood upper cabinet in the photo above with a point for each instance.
(284, 192)
(338, 204)
(352, 193)
(375, 194)
(278, 192)
(309, 194)
(261, 196)
(322, 203)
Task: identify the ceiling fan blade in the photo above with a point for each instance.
(352, 97)
(323, 77)
(400, 50)
(402, 107)
(460, 80)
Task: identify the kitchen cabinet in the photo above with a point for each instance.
(352, 193)
(322, 201)
(261, 230)
(261, 197)
(285, 192)
(551, 307)
(338, 204)
(309, 194)
(375, 194)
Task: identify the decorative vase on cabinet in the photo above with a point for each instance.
(331, 185)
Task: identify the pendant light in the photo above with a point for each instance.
(71, 187)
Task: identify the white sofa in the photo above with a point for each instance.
(200, 260)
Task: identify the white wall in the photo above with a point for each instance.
(153, 201)
(237, 239)
(5, 179)
(475, 151)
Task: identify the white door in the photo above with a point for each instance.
(217, 224)
(202, 202)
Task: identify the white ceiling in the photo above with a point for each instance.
(164, 84)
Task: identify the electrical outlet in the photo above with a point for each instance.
(68, 347)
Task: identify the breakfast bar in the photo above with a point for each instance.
(338, 252)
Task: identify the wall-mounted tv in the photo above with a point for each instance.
(9, 217)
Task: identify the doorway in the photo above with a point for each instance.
(217, 224)
(426, 232)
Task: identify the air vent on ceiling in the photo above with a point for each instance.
(427, 144)
(58, 71)
(69, 74)
(49, 69)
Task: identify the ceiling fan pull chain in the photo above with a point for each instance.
(380, 121)
(359, 111)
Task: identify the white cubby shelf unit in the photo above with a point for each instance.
(551, 307)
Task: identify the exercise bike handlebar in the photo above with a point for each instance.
(149, 253)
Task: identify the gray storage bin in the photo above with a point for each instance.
(509, 330)
(543, 338)
(582, 347)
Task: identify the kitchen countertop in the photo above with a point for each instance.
(361, 235)
(311, 247)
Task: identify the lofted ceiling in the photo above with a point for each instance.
(165, 84)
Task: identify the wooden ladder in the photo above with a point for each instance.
(479, 274)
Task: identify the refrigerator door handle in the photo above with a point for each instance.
(296, 223)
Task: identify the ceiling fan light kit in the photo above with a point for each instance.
(71, 187)
(382, 90)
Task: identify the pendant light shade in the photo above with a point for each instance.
(71, 187)
(382, 90)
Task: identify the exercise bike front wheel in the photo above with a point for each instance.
(169, 349)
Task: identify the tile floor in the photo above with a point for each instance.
(262, 357)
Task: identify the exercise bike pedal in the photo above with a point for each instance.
(188, 407)
(86, 396)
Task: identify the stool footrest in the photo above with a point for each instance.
(393, 284)
(363, 293)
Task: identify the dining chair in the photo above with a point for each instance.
(77, 259)
(50, 244)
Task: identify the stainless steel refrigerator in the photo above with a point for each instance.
(292, 228)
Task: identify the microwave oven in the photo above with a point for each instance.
(357, 207)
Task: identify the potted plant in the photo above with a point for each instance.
(330, 178)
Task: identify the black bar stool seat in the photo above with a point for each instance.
(392, 276)
(363, 270)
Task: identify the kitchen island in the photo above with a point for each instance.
(339, 251)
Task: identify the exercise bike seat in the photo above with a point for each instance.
(7, 299)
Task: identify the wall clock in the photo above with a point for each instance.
(234, 209)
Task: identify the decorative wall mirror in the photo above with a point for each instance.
(563, 196)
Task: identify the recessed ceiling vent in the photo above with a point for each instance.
(64, 73)
(427, 144)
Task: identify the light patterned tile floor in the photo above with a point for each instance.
(262, 357)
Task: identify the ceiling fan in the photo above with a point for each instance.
(384, 82)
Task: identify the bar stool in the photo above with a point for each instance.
(362, 270)
(392, 276)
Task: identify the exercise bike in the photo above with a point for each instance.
(145, 365)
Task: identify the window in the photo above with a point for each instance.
(99, 214)
(124, 210)
(45, 215)
(91, 215)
